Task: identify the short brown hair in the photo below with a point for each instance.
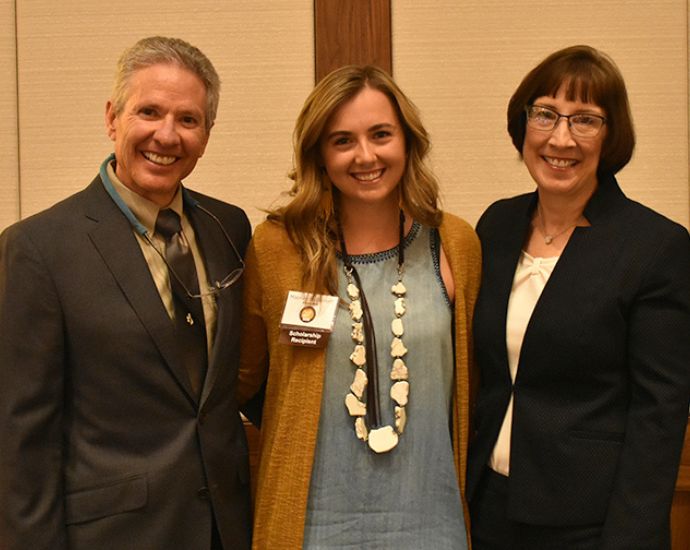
(590, 76)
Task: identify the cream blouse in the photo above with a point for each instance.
(530, 279)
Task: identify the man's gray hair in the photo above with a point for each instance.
(160, 49)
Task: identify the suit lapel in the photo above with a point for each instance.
(507, 243)
(590, 257)
(113, 238)
(219, 260)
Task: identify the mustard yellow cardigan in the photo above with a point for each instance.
(295, 376)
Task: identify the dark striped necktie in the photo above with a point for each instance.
(190, 328)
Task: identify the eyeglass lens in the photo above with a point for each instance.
(581, 124)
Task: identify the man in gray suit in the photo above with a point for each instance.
(119, 324)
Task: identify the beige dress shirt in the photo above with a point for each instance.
(146, 212)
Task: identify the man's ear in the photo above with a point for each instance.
(208, 135)
(110, 117)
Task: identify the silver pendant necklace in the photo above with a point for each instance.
(541, 227)
(366, 413)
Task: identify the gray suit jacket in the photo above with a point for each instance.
(102, 443)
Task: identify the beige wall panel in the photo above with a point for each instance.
(9, 181)
(262, 49)
(461, 61)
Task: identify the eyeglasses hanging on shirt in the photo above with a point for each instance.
(214, 288)
(217, 286)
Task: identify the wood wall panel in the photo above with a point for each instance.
(680, 512)
(9, 161)
(262, 49)
(461, 61)
(352, 32)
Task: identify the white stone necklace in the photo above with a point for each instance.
(381, 439)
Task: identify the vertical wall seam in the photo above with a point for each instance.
(16, 91)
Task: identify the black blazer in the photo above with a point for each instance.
(103, 444)
(603, 384)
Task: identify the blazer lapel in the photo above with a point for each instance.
(219, 261)
(589, 257)
(113, 238)
(507, 244)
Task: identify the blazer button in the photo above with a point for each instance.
(203, 493)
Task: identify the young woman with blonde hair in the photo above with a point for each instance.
(364, 438)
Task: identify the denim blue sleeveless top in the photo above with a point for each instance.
(407, 498)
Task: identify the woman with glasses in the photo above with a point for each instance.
(581, 331)
(358, 303)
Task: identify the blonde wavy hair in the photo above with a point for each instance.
(310, 216)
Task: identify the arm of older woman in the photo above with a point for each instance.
(659, 377)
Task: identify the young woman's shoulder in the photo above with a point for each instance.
(270, 234)
(457, 229)
(459, 240)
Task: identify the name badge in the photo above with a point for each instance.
(308, 319)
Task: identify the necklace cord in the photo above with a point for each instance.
(373, 398)
(370, 354)
(541, 227)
